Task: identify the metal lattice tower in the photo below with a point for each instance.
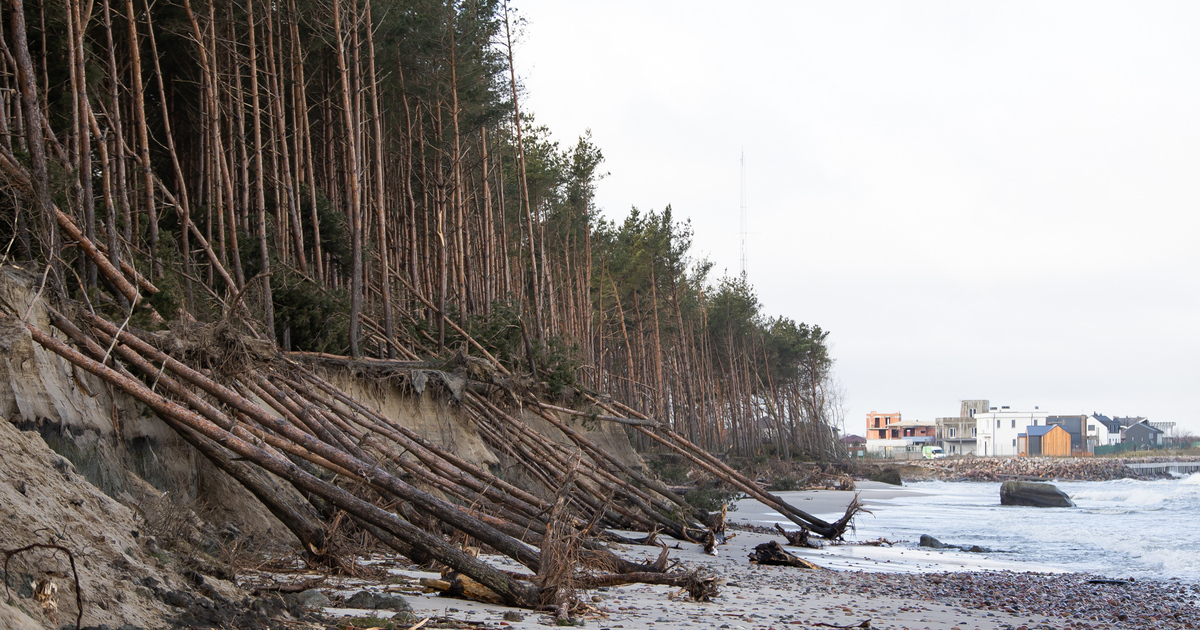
(743, 213)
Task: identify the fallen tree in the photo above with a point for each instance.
(280, 418)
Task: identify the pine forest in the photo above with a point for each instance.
(356, 185)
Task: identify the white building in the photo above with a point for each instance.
(1098, 435)
(996, 430)
(886, 446)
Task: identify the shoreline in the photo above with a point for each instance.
(896, 588)
(760, 597)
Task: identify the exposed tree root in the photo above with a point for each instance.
(771, 553)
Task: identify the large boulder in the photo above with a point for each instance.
(891, 475)
(378, 601)
(931, 542)
(1033, 494)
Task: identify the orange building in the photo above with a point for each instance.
(913, 429)
(878, 423)
(1048, 441)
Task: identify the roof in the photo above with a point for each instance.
(1143, 424)
(1042, 430)
(911, 423)
(854, 438)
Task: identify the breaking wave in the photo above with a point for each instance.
(1191, 480)
(1122, 528)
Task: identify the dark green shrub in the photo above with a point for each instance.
(710, 496)
(674, 473)
(785, 483)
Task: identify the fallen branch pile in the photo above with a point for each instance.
(280, 417)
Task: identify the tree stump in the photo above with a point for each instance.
(771, 553)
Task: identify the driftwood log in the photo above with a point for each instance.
(799, 538)
(455, 584)
(771, 553)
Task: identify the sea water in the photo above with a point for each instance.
(1120, 529)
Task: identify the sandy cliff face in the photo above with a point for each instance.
(112, 441)
(427, 414)
(88, 467)
(437, 419)
(43, 499)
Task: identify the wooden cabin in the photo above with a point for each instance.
(1047, 441)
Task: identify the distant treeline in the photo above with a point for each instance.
(355, 177)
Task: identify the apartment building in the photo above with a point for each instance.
(957, 434)
(997, 429)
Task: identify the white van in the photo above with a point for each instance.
(933, 452)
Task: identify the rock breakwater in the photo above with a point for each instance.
(1022, 468)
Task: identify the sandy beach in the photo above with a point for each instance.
(884, 587)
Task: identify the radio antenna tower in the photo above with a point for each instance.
(743, 213)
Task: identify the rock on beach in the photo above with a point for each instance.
(1033, 494)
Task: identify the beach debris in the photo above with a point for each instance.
(866, 623)
(701, 585)
(1113, 582)
(874, 542)
(799, 538)
(45, 592)
(1033, 494)
(455, 584)
(772, 554)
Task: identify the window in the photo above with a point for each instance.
(973, 430)
(997, 424)
(1014, 442)
(1014, 426)
(1091, 428)
(951, 430)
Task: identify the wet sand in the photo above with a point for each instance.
(824, 503)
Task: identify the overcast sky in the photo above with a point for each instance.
(978, 200)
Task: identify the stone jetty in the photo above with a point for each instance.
(1029, 468)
